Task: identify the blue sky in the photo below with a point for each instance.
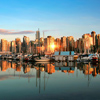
(59, 17)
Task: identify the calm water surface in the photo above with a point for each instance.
(49, 81)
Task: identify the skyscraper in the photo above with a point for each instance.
(3, 45)
(38, 34)
(18, 45)
(57, 44)
(70, 43)
(26, 41)
(49, 44)
(93, 34)
(8, 46)
(13, 47)
(63, 43)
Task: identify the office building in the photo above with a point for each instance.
(18, 45)
(38, 34)
(13, 46)
(3, 45)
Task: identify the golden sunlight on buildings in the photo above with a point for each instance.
(88, 41)
(3, 45)
(49, 44)
(52, 46)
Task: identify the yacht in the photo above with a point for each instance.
(85, 57)
(75, 56)
(94, 58)
(42, 59)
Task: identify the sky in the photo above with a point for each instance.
(56, 18)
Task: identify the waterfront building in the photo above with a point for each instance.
(76, 46)
(80, 45)
(26, 44)
(41, 45)
(88, 43)
(93, 34)
(63, 44)
(13, 46)
(8, 46)
(3, 45)
(0, 47)
(32, 47)
(57, 44)
(49, 44)
(38, 35)
(97, 45)
(18, 45)
(70, 43)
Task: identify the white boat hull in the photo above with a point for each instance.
(39, 60)
(43, 59)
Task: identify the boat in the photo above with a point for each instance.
(94, 59)
(10, 57)
(75, 56)
(19, 57)
(2, 56)
(41, 59)
(85, 57)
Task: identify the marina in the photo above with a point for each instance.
(68, 56)
(49, 50)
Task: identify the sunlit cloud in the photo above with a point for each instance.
(49, 30)
(13, 32)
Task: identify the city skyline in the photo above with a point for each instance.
(49, 49)
(87, 43)
(35, 37)
(67, 18)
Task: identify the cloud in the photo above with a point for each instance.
(48, 30)
(13, 32)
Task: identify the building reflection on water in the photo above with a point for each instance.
(89, 69)
(25, 70)
(50, 68)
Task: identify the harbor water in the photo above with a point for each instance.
(49, 81)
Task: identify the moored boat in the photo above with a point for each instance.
(94, 59)
(75, 56)
(42, 59)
